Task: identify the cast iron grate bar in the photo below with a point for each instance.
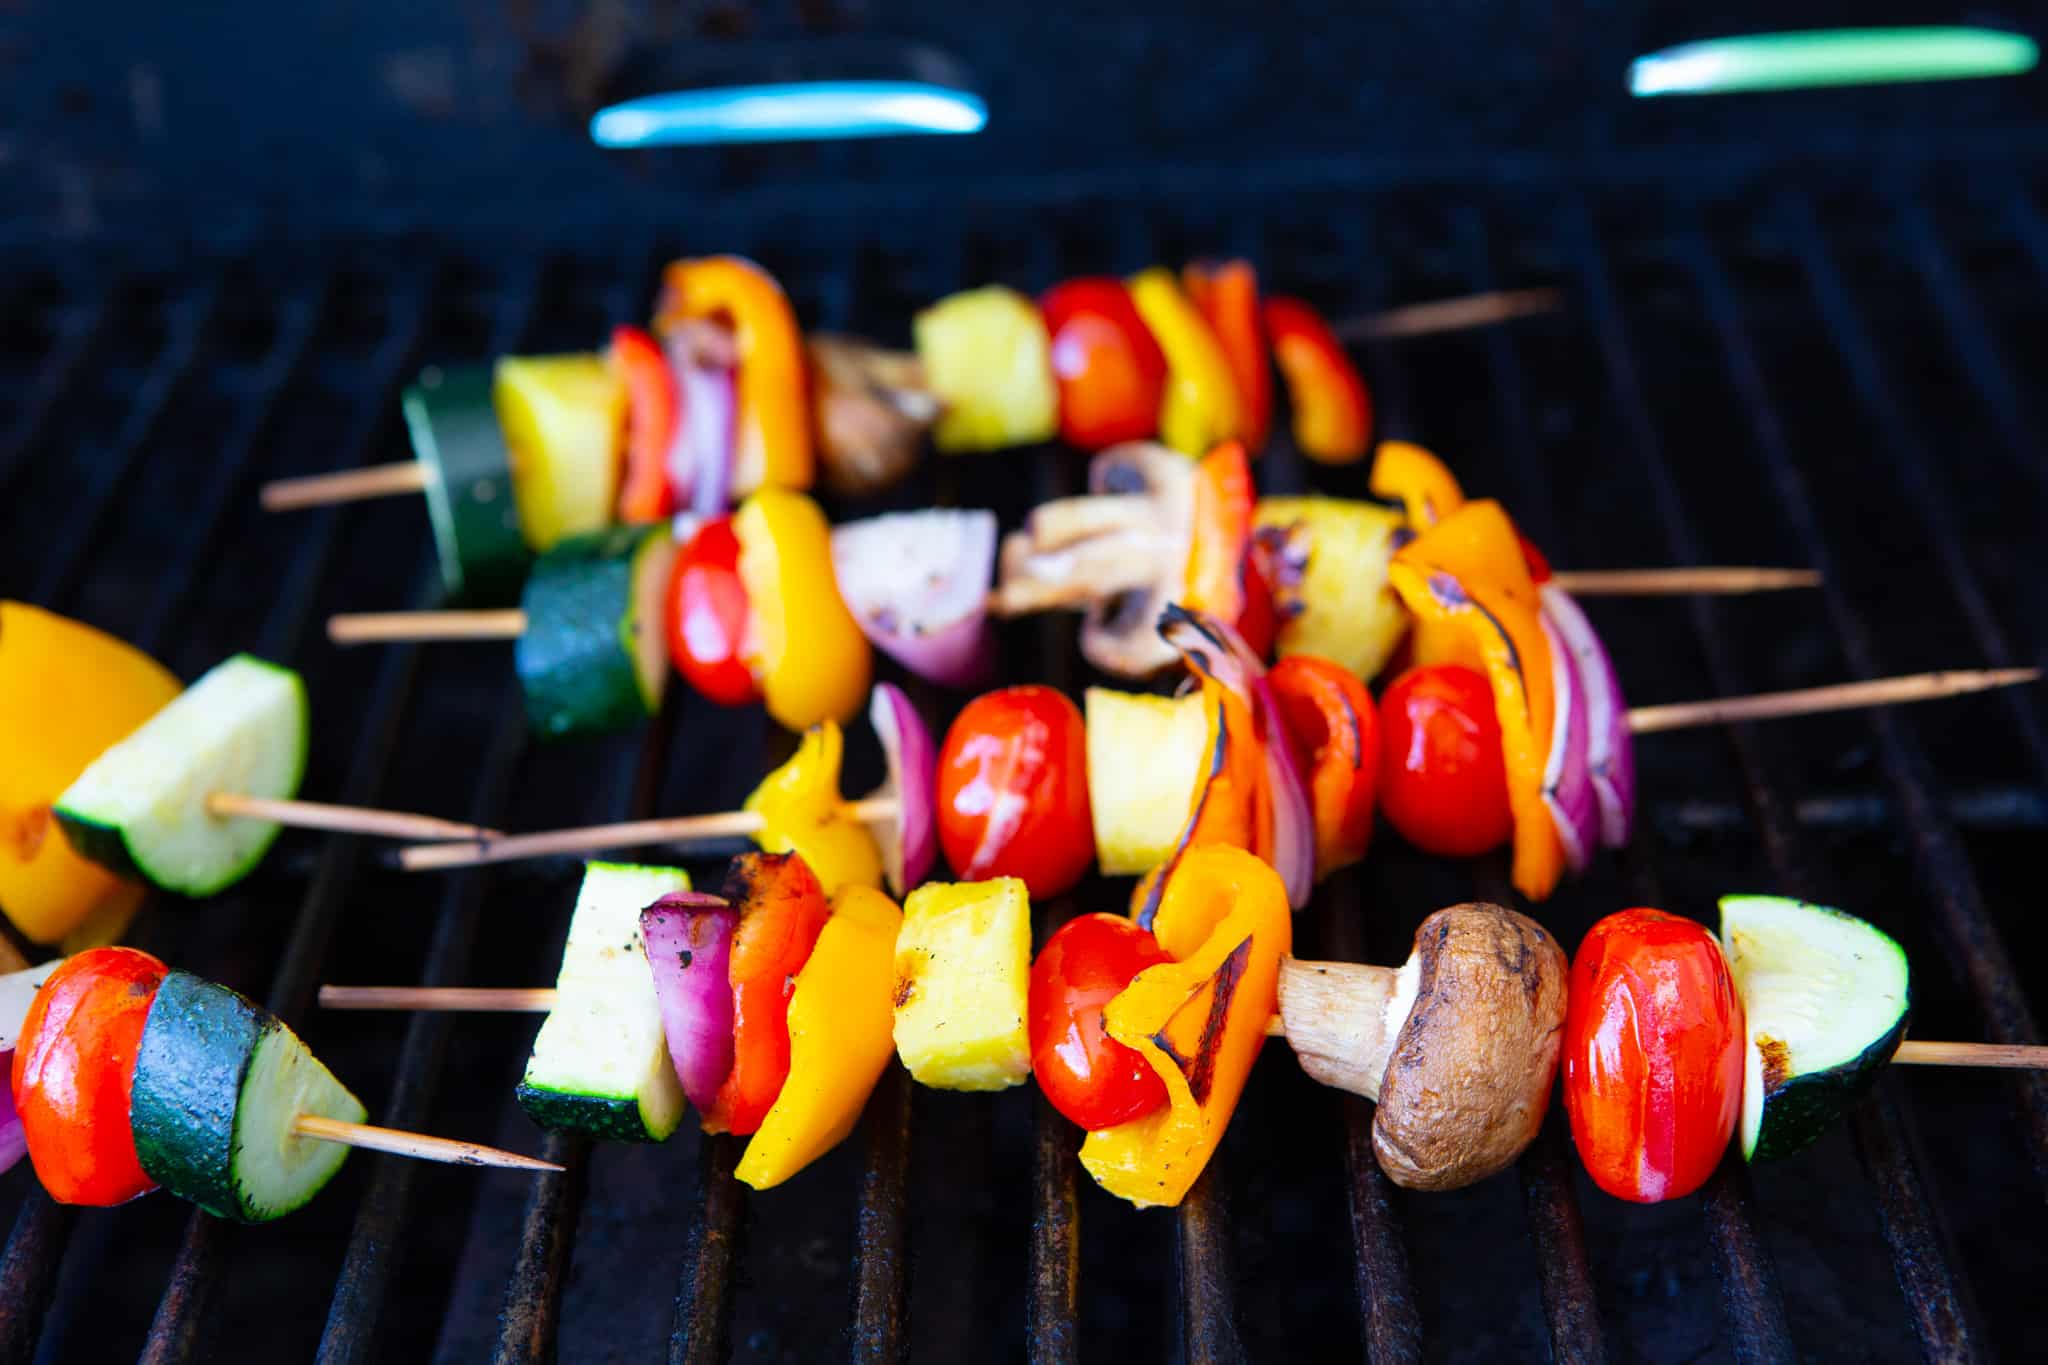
(60, 372)
(1751, 1297)
(1917, 1253)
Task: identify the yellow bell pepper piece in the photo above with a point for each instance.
(1468, 574)
(1200, 406)
(807, 651)
(802, 813)
(839, 1039)
(67, 693)
(1418, 480)
(772, 424)
(1199, 1020)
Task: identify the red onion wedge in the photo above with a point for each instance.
(912, 845)
(701, 456)
(1610, 746)
(1216, 651)
(918, 584)
(1567, 779)
(13, 1137)
(689, 945)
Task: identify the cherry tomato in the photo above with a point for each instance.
(1334, 728)
(1085, 1074)
(1110, 371)
(1443, 782)
(74, 1071)
(1013, 790)
(1653, 1055)
(709, 618)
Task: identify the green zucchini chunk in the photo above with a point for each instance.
(594, 657)
(477, 538)
(600, 1063)
(140, 808)
(1825, 1001)
(219, 1083)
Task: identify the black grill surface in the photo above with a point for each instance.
(1826, 367)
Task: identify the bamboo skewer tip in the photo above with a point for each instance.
(452, 1151)
(343, 485)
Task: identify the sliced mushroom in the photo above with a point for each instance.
(1120, 553)
(872, 410)
(1458, 1046)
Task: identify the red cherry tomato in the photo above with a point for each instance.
(1443, 782)
(1013, 790)
(1086, 1074)
(74, 1072)
(1334, 729)
(709, 618)
(1110, 371)
(1652, 1055)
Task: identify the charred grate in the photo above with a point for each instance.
(1808, 372)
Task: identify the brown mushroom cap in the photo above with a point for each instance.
(1471, 1071)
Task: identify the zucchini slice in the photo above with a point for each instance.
(219, 1082)
(1825, 999)
(140, 808)
(600, 1063)
(595, 656)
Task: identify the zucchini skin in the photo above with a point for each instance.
(477, 537)
(610, 1119)
(1799, 1109)
(99, 842)
(575, 662)
(197, 1044)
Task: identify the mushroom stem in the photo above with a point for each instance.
(1078, 575)
(1343, 1018)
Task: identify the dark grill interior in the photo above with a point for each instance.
(1818, 368)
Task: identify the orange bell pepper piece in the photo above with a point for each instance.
(1406, 473)
(773, 423)
(1233, 806)
(840, 1039)
(1227, 292)
(1201, 405)
(1332, 409)
(1198, 1021)
(1469, 571)
(1334, 727)
(653, 408)
(782, 912)
(1219, 548)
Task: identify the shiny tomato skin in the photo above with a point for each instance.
(708, 616)
(1652, 1055)
(1013, 790)
(1109, 370)
(1443, 782)
(1088, 1076)
(74, 1074)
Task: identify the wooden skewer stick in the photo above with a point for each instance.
(1806, 701)
(345, 485)
(1016, 599)
(674, 830)
(874, 809)
(1450, 315)
(451, 1150)
(541, 999)
(390, 824)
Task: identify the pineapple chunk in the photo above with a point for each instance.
(564, 422)
(963, 970)
(1349, 615)
(1144, 765)
(987, 355)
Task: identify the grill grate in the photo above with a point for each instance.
(1738, 379)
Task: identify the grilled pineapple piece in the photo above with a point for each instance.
(1144, 761)
(1348, 613)
(963, 969)
(563, 417)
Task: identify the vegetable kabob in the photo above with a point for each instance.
(127, 1075)
(769, 604)
(727, 396)
(116, 776)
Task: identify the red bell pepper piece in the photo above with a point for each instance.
(1653, 1056)
(1109, 370)
(1332, 410)
(1332, 724)
(782, 911)
(653, 410)
(1227, 292)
